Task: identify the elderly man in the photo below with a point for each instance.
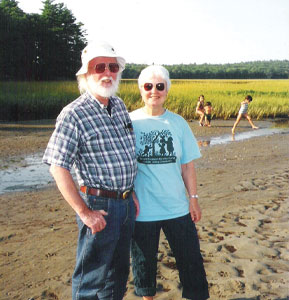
(94, 134)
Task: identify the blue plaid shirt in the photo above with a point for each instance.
(101, 147)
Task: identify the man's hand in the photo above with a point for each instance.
(94, 220)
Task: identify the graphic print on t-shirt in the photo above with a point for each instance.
(157, 148)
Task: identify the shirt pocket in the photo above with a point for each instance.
(90, 143)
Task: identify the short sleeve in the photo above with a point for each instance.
(190, 147)
(63, 144)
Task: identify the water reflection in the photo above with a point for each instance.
(281, 123)
(204, 143)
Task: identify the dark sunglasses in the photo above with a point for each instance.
(159, 86)
(112, 67)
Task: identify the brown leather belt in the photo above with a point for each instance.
(104, 193)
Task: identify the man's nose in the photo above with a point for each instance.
(107, 70)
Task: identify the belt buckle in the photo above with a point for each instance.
(125, 194)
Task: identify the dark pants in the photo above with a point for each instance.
(102, 263)
(183, 239)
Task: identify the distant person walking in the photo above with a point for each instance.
(243, 113)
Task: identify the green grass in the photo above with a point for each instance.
(44, 100)
(35, 100)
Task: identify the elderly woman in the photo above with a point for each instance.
(166, 148)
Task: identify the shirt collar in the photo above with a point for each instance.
(92, 98)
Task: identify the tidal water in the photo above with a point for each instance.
(229, 138)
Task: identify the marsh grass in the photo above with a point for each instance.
(44, 100)
(270, 97)
(35, 100)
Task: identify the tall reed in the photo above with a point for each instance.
(44, 100)
(270, 97)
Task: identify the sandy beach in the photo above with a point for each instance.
(244, 231)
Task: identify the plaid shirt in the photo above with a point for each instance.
(101, 147)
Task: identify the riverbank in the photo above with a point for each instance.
(243, 188)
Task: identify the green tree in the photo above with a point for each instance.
(62, 42)
(39, 47)
(12, 19)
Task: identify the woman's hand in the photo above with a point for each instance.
(136, 204)
(195, 210)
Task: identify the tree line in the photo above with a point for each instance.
(273, 69)
(48, 46)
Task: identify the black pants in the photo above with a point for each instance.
(183, 239)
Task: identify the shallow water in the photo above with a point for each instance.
(228, 138)
(34, 174)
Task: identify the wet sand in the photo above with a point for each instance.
(244, 232)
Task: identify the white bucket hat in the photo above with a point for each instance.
(98, 49)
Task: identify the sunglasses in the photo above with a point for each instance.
(112, 67)
(159, 86)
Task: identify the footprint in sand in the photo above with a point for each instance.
(271, 182)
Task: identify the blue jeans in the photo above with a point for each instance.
(183, 239)
(102, 262)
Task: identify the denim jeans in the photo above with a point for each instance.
(183, 239)
(102, 261)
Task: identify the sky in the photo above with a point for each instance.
(184, 31)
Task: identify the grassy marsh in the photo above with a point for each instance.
(44, 100)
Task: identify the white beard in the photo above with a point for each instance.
(97, 89)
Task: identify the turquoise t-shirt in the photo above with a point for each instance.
(163, 144)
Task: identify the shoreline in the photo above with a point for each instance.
(243, 188)
(20, 139)
(26, 172)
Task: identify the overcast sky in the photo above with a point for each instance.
(184, 31)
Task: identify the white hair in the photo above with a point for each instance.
(151, 71)
(82, 83)
(83, 86)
